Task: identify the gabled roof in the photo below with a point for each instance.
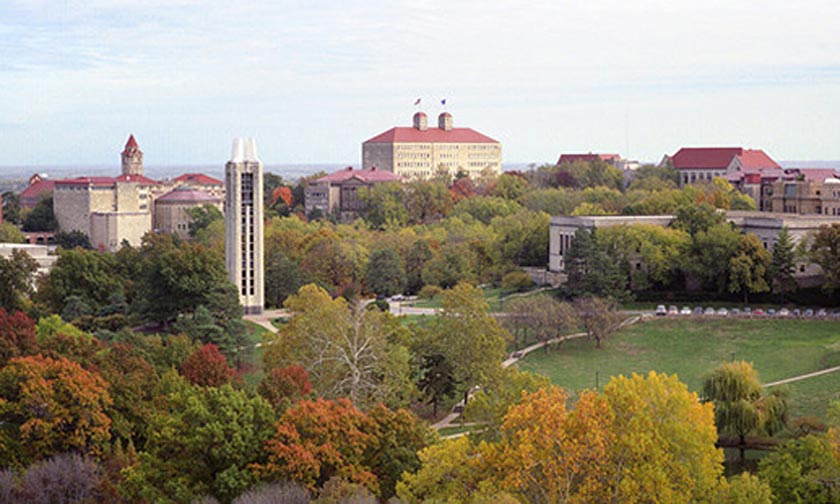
(705, 157)
(35, 190)
(752, 159)
(571, 158)
(368, 176)
(198, 179)
(186, 194)
(402, 134)
(130, 146)
(817, 174)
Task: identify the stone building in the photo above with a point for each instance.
(171, 209)
(132, 158)
(697, 164)
(418, 152)
(336, 193)
(765, 225)
(244, 224)
(38, 189)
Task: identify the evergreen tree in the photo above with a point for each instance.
(782, 265)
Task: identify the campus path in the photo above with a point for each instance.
(803, 376)
(264, 319)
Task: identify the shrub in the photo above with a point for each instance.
(517, 280)
(429, 291)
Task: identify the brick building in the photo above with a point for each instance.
(336, 193)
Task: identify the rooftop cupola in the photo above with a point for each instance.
(445, 121)
(421, 122)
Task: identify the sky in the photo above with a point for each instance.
(311, 80)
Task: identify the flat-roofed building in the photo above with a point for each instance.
(419, 152)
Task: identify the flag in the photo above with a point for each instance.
(443, 102)
(417, 102)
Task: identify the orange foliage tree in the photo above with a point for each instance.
(51, 406)
(207, 367)
(17, 335)
(285, 386)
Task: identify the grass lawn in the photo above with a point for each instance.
(496, 298)
(777, 348)
(251, 358)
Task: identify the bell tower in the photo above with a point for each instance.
(132, 158)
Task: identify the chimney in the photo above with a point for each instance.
(421, 122)
(445, 121)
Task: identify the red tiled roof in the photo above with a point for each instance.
(130, 145)
(99, 181)
(717, 158)
(432, 135)
(372, 175)
(756, 159)
(571, 158)
(198, 179)
(34, 191)
(187, 195)
(140, 179)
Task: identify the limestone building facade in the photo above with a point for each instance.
(419, 152)
(172, 209)
(337, 193)
(244, 224)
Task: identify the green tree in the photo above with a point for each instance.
(41, 218)
(695, 218)
(90, 275)
(11, 207)
(9, 233)
(419, 254)
(384, 205)
(522, 238)
(427, 201)
(510, 186)
(283, 278)
(16, 274)
(741, 406)
(202, 217)
(471, 339)
(592, 271)
(782, 265)
(748, 267)
(803, 470)
(710, 255)
(201, 442)
(485, 208)
(824, 251)
(385, 274)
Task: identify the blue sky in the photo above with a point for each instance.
(310, 80)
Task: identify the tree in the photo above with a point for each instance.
(283, 387)
(16, 280)
(202, 217)
(207, 367)
(485, 208)
(66, 478)
(51, 406)
(216, 435)
(591, 270)
(11, 207)
(470, 338)
(419, 254)
(741, 407)
(41, 218)
(427, 201)
(384, 205)
(599, 317)
(510, 186)
(437, 379)
(344, 348)
(132, 381)
(17, 335)
(543, 317)
(72, 239)
(695, 218)
(782, 265)
(90, 276)
(803, 470)
(710, 255)
(287, 493)
(385, 275)
(748, 267)
(283, 278)
(522, 238)
(824, 251)
(489, 405)
(9, 233)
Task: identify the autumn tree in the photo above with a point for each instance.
(749, 266)
(283, 387)
(201, 441)
(542, 317)
(51, 406)
(598, 317)
(427, 201)
(17, 335)
(741, 405)
(782, 265)
(489, 405)
(207, 367)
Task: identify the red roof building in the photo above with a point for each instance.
(696, 164)
(337, 193)
(198, 179)
(38, 189)
(419, 151)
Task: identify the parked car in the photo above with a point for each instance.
(822, 312)
(398, 297)
(685, 310)
(698, 310)
(796, 312)
(709, 311)
(723, 312)
(771, 312)
(673, 310)
(758, 312)
(747, 311)
(808, 313)
(784, 312)
(661, 311)
(735, 312)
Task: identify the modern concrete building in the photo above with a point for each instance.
(765, 225)
(244, 224)
(38, 252)
(336, 193)
(419, 152)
